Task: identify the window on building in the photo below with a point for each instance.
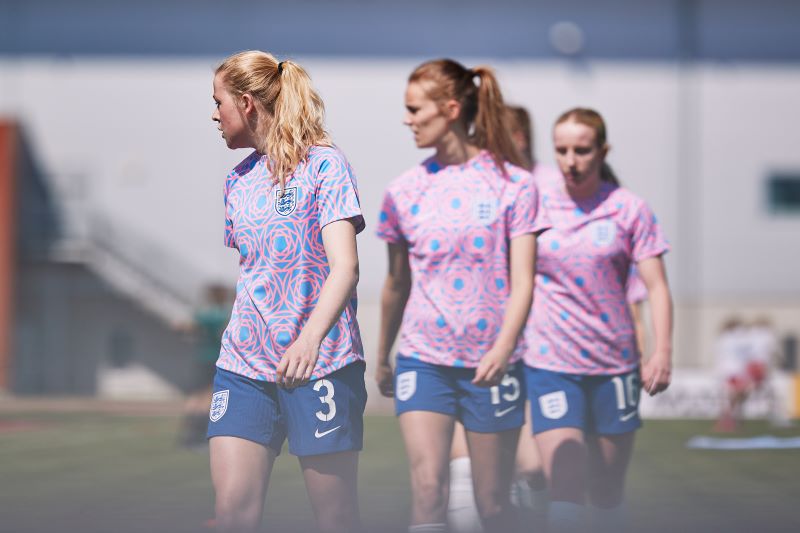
(783, 193)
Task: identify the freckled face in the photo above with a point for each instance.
(424, 117)
(577, 154)
(230, 117)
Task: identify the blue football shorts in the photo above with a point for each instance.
(421, 386)
(321, 417)
(603, 405)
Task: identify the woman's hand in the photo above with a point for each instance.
(297, 363)
(657, 373)
(492, 368)
(384, 376)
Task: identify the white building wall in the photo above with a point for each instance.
(132, 139)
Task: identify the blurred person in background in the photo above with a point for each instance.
(767, 360)
(461, 233)
(291, 364)
(529, 489)
(583, 362)
(733, 353)
(207, 327)
(746, 357)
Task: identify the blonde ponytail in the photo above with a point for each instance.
(294, 113)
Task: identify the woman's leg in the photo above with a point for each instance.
(492, 456)
(564, 457)
(609, 456)
(529, 462)
(529, 490)
(332, 484)
(240, 471)
(427, 436)
(462, 514)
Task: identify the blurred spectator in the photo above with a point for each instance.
(732, 355)
(207, 327)
(745, 356)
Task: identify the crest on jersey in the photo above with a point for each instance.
(484, 210)
(603, 232)
(219, 404)
(406, 385)
(554, 405)
(286, 204)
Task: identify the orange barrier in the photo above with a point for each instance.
(8, 158)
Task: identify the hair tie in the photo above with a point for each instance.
(280, 67)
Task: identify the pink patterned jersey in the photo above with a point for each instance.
(635, 291)
(545, 176)
(457, 222)
(580, 322)
(283, 262)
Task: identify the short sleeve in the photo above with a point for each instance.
(230, 236)
(389, 221)
(337, 192)
(635, 289)
(647, 238)
(525, 214)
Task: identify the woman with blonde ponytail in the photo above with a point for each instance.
(461, 233)
(291, 363)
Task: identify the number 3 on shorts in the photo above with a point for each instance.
(326, 399)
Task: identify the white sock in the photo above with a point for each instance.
(566, 517)
(611, 520)
(428, 528)
(462, 513)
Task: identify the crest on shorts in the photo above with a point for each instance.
(406, 385)
(219, 404)
(554, 405)
(484, 210)
(603, 232)
(286, 204)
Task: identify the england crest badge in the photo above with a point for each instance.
(554, 405)
(603, 233)
(406, 385)
(219, 404)
(484, 210)
(286, 204)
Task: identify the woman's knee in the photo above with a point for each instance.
(237, 514)
(430, 493)
(491, 501)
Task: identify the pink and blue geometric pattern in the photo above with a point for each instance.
(457, 222)
(282, 262)
(580, 323)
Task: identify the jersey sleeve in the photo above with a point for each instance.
(525, 214)
(389, 220)
(647, 238)
(337, 192)
(635, 289)
(229, 236)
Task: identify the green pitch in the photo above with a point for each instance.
(87, 472)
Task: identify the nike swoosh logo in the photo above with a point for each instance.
(319, 435)
(498, 413)
(624, 418)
